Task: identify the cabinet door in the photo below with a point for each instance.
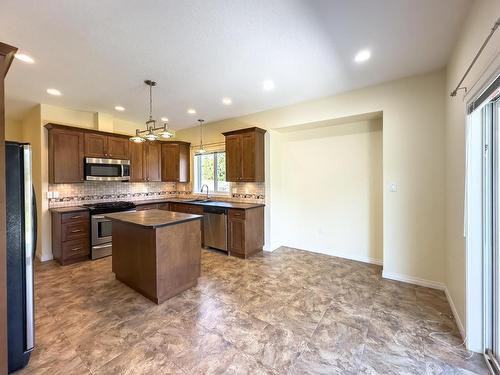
(233, 158)
(236, 234)
(152, 156)
(247, 157)
(170, 162)
(65, 156)
(95, 145)
(184, 163)
(136, 162)
(118, 148)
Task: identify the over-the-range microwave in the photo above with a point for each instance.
(97, 169)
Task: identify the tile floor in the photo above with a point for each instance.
(288, 312)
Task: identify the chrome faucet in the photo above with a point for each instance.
(201, 191)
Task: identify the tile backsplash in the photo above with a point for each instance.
(100, 191)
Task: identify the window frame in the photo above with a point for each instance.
(197, 172)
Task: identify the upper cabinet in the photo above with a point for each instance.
(152, 161)
(245, 155)
(137, 172)
(66, 148)
(175, 161)
(106, 146)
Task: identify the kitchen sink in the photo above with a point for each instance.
(199, 200)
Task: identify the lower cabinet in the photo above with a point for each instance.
(70, 236)
(245, 231)
(189, 209)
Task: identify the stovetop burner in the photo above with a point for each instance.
(110, 206)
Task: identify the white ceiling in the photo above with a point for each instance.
(99, 52)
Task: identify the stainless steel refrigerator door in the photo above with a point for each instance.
(29, 246)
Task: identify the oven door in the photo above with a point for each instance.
(101, 230)
(107, 169)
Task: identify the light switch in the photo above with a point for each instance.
(393, 187)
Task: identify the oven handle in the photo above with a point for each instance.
(99, 217)
(102, 246)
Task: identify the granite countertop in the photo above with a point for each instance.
(68, 209)
(153, 218)
(212, 203)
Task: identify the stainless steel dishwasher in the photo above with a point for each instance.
(215, 227)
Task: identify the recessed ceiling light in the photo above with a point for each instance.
(54, 92)
(164, 119)
(267, 85)
(24, 58)
(227, 101)
(191, 111)
(362, 56)
(120, 108)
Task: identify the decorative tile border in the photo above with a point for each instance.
(95, 192)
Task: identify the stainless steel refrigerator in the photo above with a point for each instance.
(21, 245)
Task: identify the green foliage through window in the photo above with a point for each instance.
(210, 170)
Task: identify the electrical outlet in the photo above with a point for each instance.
(50, 195)
(393, 187)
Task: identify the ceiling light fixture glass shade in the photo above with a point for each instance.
(152, 132)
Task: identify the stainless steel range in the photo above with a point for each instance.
(100, 227)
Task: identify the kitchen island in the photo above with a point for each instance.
(156, 252)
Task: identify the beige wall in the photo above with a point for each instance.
(34, 133)
(480, 20)
(413, 157)
(14, 130)
(332, 190)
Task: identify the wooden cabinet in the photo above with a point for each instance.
(70, 236)
(118, 148)
(175, 161)
(245, 155)
(106, 146)
(137, 172)
(186, 208)
(95, 145)
(152, 161)
(189, 209)
(66, 147)
(148, 206)
(245, 234)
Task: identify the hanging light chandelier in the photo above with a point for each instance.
(201, 149)
(152, 132)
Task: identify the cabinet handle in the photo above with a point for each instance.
(76, 230)
(76, 249)
(76, 217)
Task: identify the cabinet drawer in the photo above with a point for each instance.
(75, 249)
(186, 208)
(145, 207)
(237, 214)
(70, 217)
(75, 230)
(164, 206)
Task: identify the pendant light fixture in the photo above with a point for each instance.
(202, 149)
(151, 133)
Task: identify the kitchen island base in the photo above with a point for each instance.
(158, 262)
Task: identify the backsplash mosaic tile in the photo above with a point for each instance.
(240, 192)
(101, 191)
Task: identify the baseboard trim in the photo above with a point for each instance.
(455, 313)
(413, 280)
